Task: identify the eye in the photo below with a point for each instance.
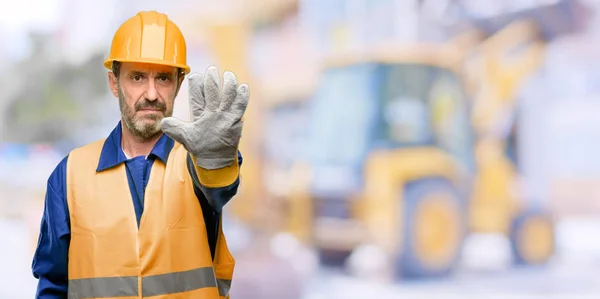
(136, 78)
(164, 78)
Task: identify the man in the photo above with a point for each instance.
(138, 214)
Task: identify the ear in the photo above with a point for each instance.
(113, 84)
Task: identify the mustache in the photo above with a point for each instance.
(150, 105)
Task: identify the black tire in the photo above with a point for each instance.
(544, 231)
(412, 262)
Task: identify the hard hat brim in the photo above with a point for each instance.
(108, 63)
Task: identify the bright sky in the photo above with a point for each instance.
(25, 13)
(87, 24)
(17, 17)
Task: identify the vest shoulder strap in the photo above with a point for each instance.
(84, 159)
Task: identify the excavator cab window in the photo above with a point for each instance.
(424, 105)
(368, 105)
(405, 115)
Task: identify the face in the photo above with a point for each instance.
(146, 95)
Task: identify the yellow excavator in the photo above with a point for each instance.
(391, 150)
(408, 152)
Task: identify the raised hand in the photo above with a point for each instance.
(214, 133)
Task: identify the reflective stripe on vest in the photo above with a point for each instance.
(223, 285)
(103, 287)
(151, 285)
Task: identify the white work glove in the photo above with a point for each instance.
(214, 133)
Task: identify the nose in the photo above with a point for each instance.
(151, 93)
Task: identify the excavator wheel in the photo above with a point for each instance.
(532, 238)
(433, 230)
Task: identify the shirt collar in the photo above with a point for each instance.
(112, 152)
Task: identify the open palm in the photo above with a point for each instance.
(214, 133)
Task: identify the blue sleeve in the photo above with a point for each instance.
(49, 264)
(217, 198)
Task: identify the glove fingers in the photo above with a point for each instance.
(174, 128)
(196, 95)
(212, 89)
(240, 103)
(230, 86)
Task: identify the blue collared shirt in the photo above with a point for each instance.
(50, 262)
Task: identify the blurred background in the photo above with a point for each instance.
(392, 148)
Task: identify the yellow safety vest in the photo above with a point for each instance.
(167, 257)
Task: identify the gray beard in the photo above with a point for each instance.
(139, 128)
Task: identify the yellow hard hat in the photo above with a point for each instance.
(149, 37)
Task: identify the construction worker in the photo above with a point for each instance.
(138, 214)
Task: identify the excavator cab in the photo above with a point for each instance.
(373, 105)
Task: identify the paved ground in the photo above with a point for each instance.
(521, 284)
(573, 276)
(15, 257)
